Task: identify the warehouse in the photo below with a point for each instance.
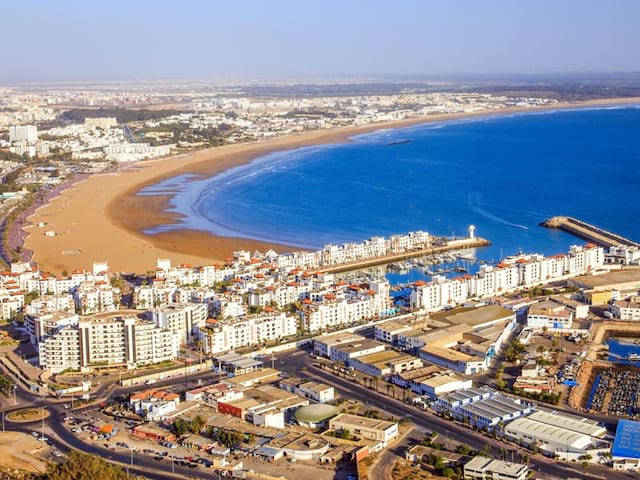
(558, 434)
(626, 446)
(383, 364)
(482, 407)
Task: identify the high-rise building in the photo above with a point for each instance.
(23, 133)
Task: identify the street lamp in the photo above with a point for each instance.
(42, 416)
(15, 387)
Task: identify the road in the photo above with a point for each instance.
(382, 469)
(60, 436)
(300, 363)
(296, 362)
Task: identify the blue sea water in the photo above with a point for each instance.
(504, 174)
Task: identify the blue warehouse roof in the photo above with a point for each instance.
(627, 441)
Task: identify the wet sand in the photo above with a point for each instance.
(102, 217)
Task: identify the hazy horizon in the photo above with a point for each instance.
(116, 41)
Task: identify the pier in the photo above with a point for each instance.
(588, 232)
(423, 252)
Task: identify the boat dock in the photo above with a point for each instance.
(588, 232)
(423, 252)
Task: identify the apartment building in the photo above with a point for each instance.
(107, 341)
(224, 335)
(521, 271)
(181, 318)
(96, 297)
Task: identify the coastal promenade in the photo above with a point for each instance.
(423, 252)
(588, 232)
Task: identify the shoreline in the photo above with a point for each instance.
(102, 217)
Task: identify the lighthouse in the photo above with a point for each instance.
(472, 232)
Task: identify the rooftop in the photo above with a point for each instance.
(497, 466)
(316, 413)
(339, 338)
(627, 441)
(548, 433)
(612, 278)
(481, 315)
(358, 346)
(264, 375)
(366, 422)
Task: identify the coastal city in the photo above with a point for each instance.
(284, 240)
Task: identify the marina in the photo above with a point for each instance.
(402, 259)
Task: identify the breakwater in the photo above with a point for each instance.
(588, 232)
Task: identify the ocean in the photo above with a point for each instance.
(503, 174)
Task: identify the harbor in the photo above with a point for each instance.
(451, 245)
(588, 232)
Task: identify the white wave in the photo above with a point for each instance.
(481, 211)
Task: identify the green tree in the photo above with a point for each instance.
(197, 424)
(464, 449)
(180, 427)
(447, 472)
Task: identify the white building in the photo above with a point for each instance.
(483, 468)
(183, 319)
(101, 122)
(566, 436)
(225, 335)
(341, 347)
(627, 310)
(51, 303)
(45, 324)
(106, 341)
(379, 431)
(482, 407)
(550, 315)
(318, 392)
(512, 273)
(132, 152)
(96, 297)
(23, 133)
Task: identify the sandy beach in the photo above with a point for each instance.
(101, 218)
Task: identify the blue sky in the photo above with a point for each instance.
(143, 39)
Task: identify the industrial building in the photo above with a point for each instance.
(482, 407)
(341, 347)
(386, 363)
(626, 446)
(558, 434)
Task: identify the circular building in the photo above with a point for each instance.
(316, 415)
